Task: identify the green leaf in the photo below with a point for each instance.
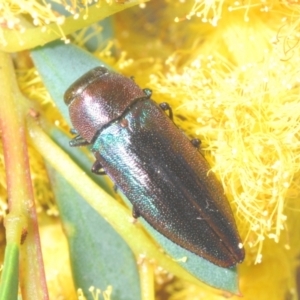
(10, 274)
(58, 75)
(99, 256)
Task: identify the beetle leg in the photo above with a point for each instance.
(196, 143)
(78, 141)
(97, 168)
(147, 92)
(73, 131)
(165, 106)
(135, 212)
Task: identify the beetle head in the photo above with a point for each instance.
(97, 98)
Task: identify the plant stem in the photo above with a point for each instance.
(21, 220)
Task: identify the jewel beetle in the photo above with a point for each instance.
(154, 164)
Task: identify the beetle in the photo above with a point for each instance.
(154, 164)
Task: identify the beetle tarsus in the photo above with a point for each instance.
(148, 92)
(165, 106)
(78, 141)
(135, 212)
(97, 168)
(196, 143)
(115, 188)
(73, 131)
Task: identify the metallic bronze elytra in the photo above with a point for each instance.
(154, 164)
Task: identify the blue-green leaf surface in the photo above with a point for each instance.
(99, 256)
